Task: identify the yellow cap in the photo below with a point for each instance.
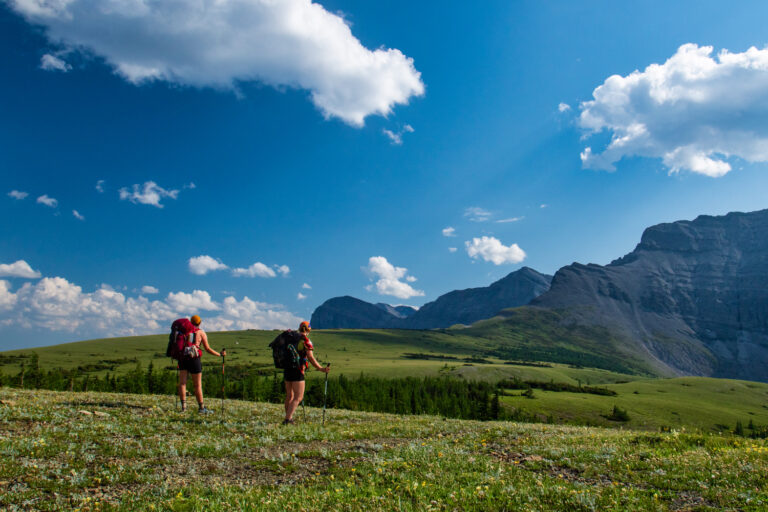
(195, 320)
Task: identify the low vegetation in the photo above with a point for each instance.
(93, 451)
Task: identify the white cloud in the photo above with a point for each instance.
(563, 107)
(396, 137)
(543, 205)
(477, 214)
(388, 279)
(449, 231)
(47, 201)
(7, 298)
(19, 268)
(284, 270)
(491, 249)
(77, 215)
(511, 219)
(452, 249)
(194, 301)
(149, 193)
(16, 194)
(55, 304)
(294, 43)
(306, 286)
(258, 269)
(191, 185)
(50, 62)
(203, 264)
(693, 112)
(100, 186)
(301, 296)
(149, 290)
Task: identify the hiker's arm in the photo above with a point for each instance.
(311, 359)
(206, 346)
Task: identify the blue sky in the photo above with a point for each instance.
(274, 152)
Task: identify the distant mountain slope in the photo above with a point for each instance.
(693, 295)
(456, 307)
(473, 304)
(351, 313)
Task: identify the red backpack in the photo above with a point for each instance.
(183, 342)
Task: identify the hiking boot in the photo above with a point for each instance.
(287, 422)
(205, 410)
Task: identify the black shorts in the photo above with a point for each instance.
(293, 375)
(193, 366)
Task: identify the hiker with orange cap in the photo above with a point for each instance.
(191, 365)
(294, 378)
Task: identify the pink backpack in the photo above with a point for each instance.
(183, 342)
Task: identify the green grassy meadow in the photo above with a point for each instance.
(710, 405)
(90, 451)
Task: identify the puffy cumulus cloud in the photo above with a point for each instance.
(100, 186)
(491, 249)
(78, 215)
(149, 290)
(477, 214)
(50, 62)
(150, 193)
(388, 279)
(194, 301)
(47, 201)
(449, 231)
(203, 264)
(295, 43)
(55, 304)
(19, 268)
(299, 296)
(17, 194)
(283, 270)
(694, 112)
(563, 107)
(250, 314)
(258, 269)
(7, 298)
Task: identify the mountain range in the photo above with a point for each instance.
(457, 307)
(690, 299)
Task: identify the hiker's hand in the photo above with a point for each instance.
(325, 369)
(223, 352)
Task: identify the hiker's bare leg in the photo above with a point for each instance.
(288, 397)
(183, 388)
(297, 397)
(197, 381)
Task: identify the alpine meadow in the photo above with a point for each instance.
(324, 255)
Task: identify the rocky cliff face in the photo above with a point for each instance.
(693, 295)
(456, 307)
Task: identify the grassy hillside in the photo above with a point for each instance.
(127, 452)
(387, 353)
(691, 402)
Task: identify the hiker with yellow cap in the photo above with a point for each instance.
(190, 364)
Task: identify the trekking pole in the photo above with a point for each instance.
(176, 391)
(223, 378)
(325, 393)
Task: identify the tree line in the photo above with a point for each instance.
(441, 396)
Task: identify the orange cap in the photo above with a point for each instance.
(195, 320)
(304, 326)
